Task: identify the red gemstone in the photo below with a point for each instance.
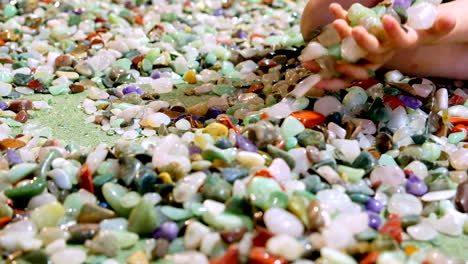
(366, 84)
(86, 179)
(137, 59)
(370, 258)
(261, 236)
(261, 256)
(392, 228)
(280, 144)
(139, 20)
(4, 220)
(309, 118)
(21, 116)
(230, 257)
(227, 122)
(312, 66)
(92, 36)
(457, 100)
(458, 120)
(392, 101)
(255, 87)
(459, 128)
(263, 173)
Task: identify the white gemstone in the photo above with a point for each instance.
(313, 51)
(162, 85)
(350, 50)
(442, 99)
(214, 207)
(337, 130)
(451, 223)
(338, 236)
(459, 159)
(250, 159)
(280, 170)
(422, 15)
(302, 162)
(327, 105)
(422, 231)
(114, 224)
(279, 221)
(56, 246)
(183, 124)
(5, 89)
(69, 256)
(404, 204)
(329, 174)
(349, 148)
(188, 186)
(194, 234)
(399, 119)
(40, 200)
(418, 168)
(336, 257)
(211, 243)
(438, 195)
(329, 36)
(189, 257)
(388, 175)
(285, 246)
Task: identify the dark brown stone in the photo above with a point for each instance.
(160, 249)
(92, 213)
(461, 198)
(22, 116)
(18, 105)
(234, 235)
(63, 61)
(76, 88)
(80, 233)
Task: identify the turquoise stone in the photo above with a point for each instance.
(290, 143)
(123, 63)
(10, 11)
(387, 160)
(143, 218)
(260, 189)
(359, 198)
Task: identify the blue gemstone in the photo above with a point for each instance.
(374, 220)
(374, 205)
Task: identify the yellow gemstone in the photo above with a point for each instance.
(203, 140)
(219, 164)
(190, 77)
(138, 257)
(165, 177)
(216, 130)
(188, 29)
(47, 215)
(410, 250)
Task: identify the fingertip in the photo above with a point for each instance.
(390, 23)
(446, 23)
(342, 28)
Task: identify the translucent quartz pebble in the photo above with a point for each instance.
(329, 36)
(194, 234)
(393, 76)
(69, 256)
(162, 85)
(423, 90)
(40, 200)
(338, 236)
(250, 159)
(115, 224)
(442, 99)
(313, 51)
(451, 223)
(422, 231)
(187, 257)
(349, 148)
(404, 204)
(327, 105)
(302, 162)
(279, 221)
(188, 186)
(388, 175)
(305, 85)
(5, 89)
(438, 195)
(280, 170)
(171, 149)
(399, 119)
(334, 256)
(421, 15)
(334, 200)
(281, 109)
(459, 159)
(337, 130)
(418, 168)
(357, 12)
(350, 50)
(285, 246)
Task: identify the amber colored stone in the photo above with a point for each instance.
(410, 250)
(230, 257)
(370, 258)
(233, 235)
(261, 236)
(199, 109)
(93, 213)
(191, 77)
(227, 122)
(86, 180)
(392, 228)
(18, 105)
(309, 118)
(392, 101)
(254, 88)
(9, 143)
(261, 256)
(139, 20)
(63, 60)
(77, 88)
(269, 63)
(21, 116)
(280, 144)
(172, 114)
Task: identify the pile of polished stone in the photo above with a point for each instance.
(373, 173)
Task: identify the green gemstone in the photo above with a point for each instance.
(176, 214)
(5, 210)
(6, 77)
(278, 153)
(431, 151)
(123, 63)
(22, 79)
(223, 89)
(278, 199)
(310, 137)
(152, 55)
(378, 112)
(351, 174)
(227, 221)
(356, 96)
(409, 220)
(10, 11)
(26, 191)
(291, 127)
(20, 171)
(143, 218)
(60, 89)
(365, 161)
(387, 160)
(366, 235)
(357, 12)
(290, 143)
(298, 206)
(457, 137)
(216, 188)
(359, 198)
(113, 192)
(335, 51)
(47, 215)
(259, 190)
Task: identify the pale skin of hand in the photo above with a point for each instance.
(403, 47)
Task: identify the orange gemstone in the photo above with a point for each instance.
(191, 77)
(263, 173)
(8, 143)
(458, 120)
(393, 228)
(255, 87)
(459, 128)
(139, 20)
(264, 116)
(4, 220)
(370, 258)
(255, 35)
(230, 257)
(309, 118)
(227, 122)
(86, 179)
(410, 250)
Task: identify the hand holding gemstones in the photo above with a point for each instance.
(436, 48)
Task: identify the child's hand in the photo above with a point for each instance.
(381, 52)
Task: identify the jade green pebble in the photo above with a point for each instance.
(60, 89)
(227, 221)
(409, 220)
(291, 127)
(27, 191)
(335, 51)
(259, 190)
(197, 209)
(431, 151)
(310, 137)
(124, 238)
(20, 171)
(99, 180)
(176, 214)
(237, 205)
(210, 58)
(457, 137)
(123, 63)
(223, 89)
(356, 96)
(278, 153)
(366, 235)
(6, 77)
(365, 161)
(359, 198)
(5, 210)
(46, 162)
(216, 188)
(386, 159)
(73, 204)
(378, 112)
(10, 11)
(143, 218)
(130, 200)
(113, 192)
(176, 246)
(290, 143)
(351, 174)
(22, 79)
(152, 55)
(278, 199)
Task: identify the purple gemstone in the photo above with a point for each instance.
(219, 12)
(374, 205)
(415, 186)
(410, 101)
(132, 89)
(168, 230)
(13, 156)
(179, 118)
(78, 11)
(245, 144)
(374, 220)
(194, 150)
(403, 3)
(213, 112)
(156, 75)
(240, 34)
(3, 105)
